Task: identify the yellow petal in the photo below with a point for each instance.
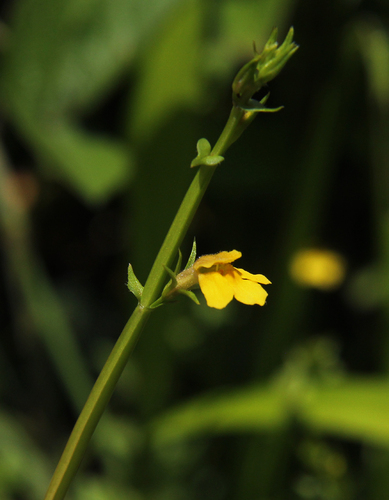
(217, 290)
(247, 292)
(258, 278)
(208, 261)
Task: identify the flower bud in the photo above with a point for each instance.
(262, 68)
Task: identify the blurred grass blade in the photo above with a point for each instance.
(352, 408)
(256, 409)
(170, 71)
(39, 302)
(355, 409)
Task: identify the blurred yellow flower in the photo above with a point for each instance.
(220, 282)
(318, 268)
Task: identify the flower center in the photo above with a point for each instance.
(223, 269)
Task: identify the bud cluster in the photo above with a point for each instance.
(261, 69)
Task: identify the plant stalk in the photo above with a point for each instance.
(113, 368)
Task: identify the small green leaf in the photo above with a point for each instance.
(179, 261)
(203, 148)
(203, 155)
(171, 284)
(134, 284)
(212, 160)
(158, 303)
(190, 294)
(171, 274)
(259, 106)
(192, 256)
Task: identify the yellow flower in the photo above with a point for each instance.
(220, 282)
(318, 268)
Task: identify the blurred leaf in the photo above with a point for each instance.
(95, 166)
(94, 488)
(64, 54)
(170, 72)
(117, 437)
(62, 57)
(374, 45)
(355, 408)
(256, 408)
(373, 38)
(23, 469)
(351, 408)
(48, 316)
(241, 19)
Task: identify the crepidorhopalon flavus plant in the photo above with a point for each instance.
(217, 278)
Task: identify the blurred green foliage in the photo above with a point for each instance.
(103, 102)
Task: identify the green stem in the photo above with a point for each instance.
(95, 405)
(176, 234)
(187, 210)
(235, 125)
(109, 376)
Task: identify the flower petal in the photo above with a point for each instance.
(258, 278)
(208, 261)
(247, 292)
(217, 290)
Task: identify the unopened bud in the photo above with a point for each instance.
(262, 68)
